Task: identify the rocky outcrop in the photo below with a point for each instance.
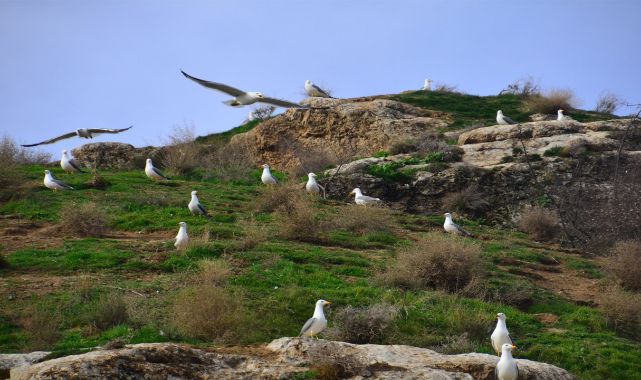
(112, 155)
(281, 359)
(9, 361)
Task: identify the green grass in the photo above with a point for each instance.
(224, 137)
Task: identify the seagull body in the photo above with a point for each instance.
(500, 335)
(427, 86)
(312, 186)
(267, 177)
(313, 90)
(506, 368)
(561, 117)
(87, 133)
(502, 119)
(242, 98)
(182, 239)
(69, 164)
(195, 207)
(361, 199)
(152, 172)
(55, 184)
(317, 322)
(453, 228)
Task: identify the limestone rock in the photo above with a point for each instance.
(112, 155)
(8, 361)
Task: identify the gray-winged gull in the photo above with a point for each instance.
(87, 133)
(313, 90)
(506, 368)
(502, 119)
(55, 184)
(317, 322)
(267, 177)
(195, 207)
(182, 239)
(312, 186)
(500, 335)
(427, 86)
(452, 227)
(561, 117)
(152, 172)
(361, 199)
(69, 164)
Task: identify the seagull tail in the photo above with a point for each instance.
(232, 103)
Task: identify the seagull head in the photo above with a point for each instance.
(356, 192)
(183, 224)
(508, 347)
(448, 215)
(499, 112)
(308, 82)
(500, 316)
(64, 151)
(561, 111)
(322, 303)
(311, 175)
(265, 166)
(257, 95)
(149, 161)
(194, 192)
(47, 172)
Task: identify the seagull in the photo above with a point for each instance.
(242, 98)
(312, 186)
(317, 322)
(427, 86)
(502, 119)
(361, 199)
(500, 335)
(452, 227)
(69, 164)
(152, 172)
(82, 132)
(313, 90)
(182, 239)
(561, 117)
(506, 368)
(195, 207)
(55, 184)
(267, 177)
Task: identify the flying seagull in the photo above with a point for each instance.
(452, 227)
(317, 322)
(182, 239)
(55, 184)
(502, 119)
(82, 132)
(312, 186)
(561, 117)
(195, 207)
(267, 177)
(313, 90)
(242, 98)
(361, 199)
(152, 172)
(69, 164)
(500, 335)
(506, 368)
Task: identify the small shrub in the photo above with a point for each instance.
(181, 154)
(111, 310)
(277, 198)
(435, 262)
(212, 273)
(381, 154)
(626, 256)
(608, 103)
(442, 87)
(523, 87)
(622, 311)
(301, 221)
(84, 220)
(403, 146)
(361, 325)
(4, 263)
(436, 150)
(232, 162)
(43, 328)
(456, 344)
(551, 102)
(389, 172)
(469, 201)
(11, 156)
(553, 152)
(540, 223)
(362, 220)
(254, 233)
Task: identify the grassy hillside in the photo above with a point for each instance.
(264, 270)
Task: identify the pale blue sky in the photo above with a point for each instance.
(111, 64)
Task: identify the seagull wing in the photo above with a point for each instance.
(508, 120)
(202, 209)
(53, 140)
(280, 103)
(323, 92)
(159, 173)
(370, 199)
(60, 183)
(307, 326)
(95, 131)
(461, 230)
(215, 86)
(74, 164)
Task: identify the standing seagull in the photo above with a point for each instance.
(82, 132)
(312, 186)
(502, 119)
(317, 322)
(561, 117)
(506, 368)
(427, 86)
(452, 227)
(152, 172)
(313, 90)
(195, 207)
(361, 199)
(55, 184)
(267, 177)
(182, 239)
(242, 98)
(69, 164)
(500, 335)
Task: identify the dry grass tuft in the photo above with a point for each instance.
(111, 310)
(361, 220)
(361, 325)
(608, 103)
(11, 156)
(469, 201)
(456, 344)
(300, 220)
(540, 223)
(212, 273)
(277, 198)
(626, 256)
(232, 162)
(436, 261)
(551, 102)
(43, 328)
(86, 219)
(181, 154)
(622, 311)
(254, 233)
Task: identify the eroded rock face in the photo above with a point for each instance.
(281, 359)
(9, 361)
(112, 155)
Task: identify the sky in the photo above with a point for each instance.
(71, 64)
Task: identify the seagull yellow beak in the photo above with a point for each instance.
(351, 192)
(327, 303)
(513, 346)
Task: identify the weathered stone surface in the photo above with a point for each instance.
(8, 361)
(281, 359)
(112, 155)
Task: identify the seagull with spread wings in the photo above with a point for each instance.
(87, 133)
(242, 98)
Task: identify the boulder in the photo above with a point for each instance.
(9, 361)
(113, 155)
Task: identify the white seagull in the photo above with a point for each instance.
(242, 98)
(312, 186)
(561, 117)
(427, 86)
(82, 132)
(500, 335)
(152, 172)
(267, 177)
(195, 207)
(452, 227)
(182, 239)
(313, 90)
(361, 199)
(317, 322)
(506, 368)
(502, 119)
(69, 164)
(55, 184)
